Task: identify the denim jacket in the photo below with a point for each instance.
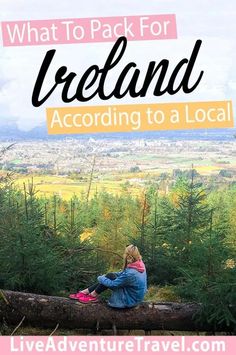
(128, 289)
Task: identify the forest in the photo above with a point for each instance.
(187, 238)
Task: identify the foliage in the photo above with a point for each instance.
(187, 237)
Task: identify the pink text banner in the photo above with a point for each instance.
(87, 30)
(150, 345)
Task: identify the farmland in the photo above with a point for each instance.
(63, 167)
(67, 188)
(134, 184)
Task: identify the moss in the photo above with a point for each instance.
(162, 294)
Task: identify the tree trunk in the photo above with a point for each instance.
(48, 311)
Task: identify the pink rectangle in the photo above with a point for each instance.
(120, 344)
(87, 30)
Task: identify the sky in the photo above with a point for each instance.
(211, 21)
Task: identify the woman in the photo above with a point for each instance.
(128, 286)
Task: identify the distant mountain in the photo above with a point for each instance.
(10, 132)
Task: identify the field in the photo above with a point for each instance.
(67, 188)
(115, 183)
(63, 167)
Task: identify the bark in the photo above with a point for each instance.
(48, 311)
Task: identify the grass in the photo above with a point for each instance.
(162, 294)
(67, 188)
(113, 182)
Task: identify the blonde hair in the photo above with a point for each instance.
(131, 255)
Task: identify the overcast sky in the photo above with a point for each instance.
(212, 21)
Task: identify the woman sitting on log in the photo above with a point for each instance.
(128, 286)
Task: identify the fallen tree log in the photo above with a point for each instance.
(49, 311)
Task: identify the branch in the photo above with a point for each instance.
(54, 331)
(4, 297)
(22, 320)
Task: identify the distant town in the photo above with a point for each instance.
(69, 155)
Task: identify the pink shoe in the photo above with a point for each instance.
(88, 299)
(76, 296)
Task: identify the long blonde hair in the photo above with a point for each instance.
(131, 255)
